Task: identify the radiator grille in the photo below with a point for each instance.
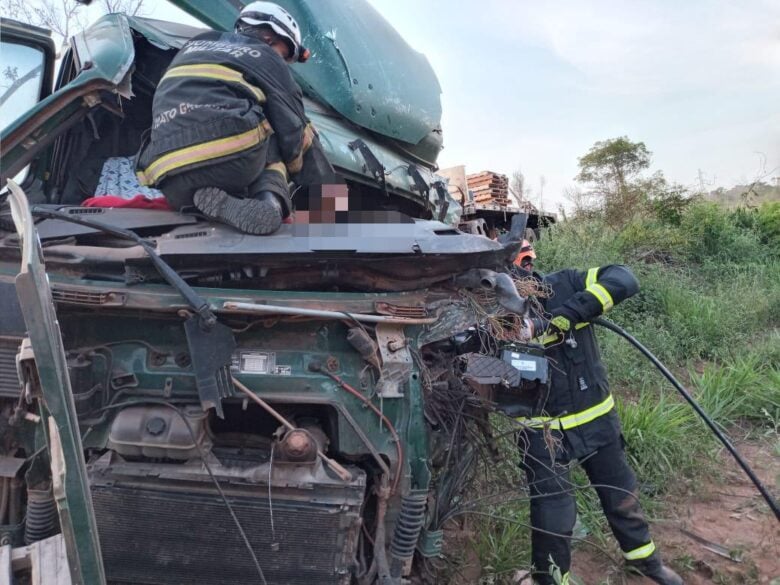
(170, 538)
(401, 310)
(9, 380)
(85, 210)
(87, 298)
(200, 234)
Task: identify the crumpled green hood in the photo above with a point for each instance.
(360, 66)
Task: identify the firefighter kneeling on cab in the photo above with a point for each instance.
(579, 423)
(229, 128)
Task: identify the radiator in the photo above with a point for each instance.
(159, 532)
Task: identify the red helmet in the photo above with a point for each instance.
(526, 251)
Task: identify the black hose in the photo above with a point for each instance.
(685, 394)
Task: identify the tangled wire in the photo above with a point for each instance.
(499, 325)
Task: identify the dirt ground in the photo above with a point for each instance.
(728, 515)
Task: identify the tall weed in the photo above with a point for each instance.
(663, 439)
(744, 389)
(503, 540)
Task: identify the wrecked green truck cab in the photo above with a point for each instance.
(202, 406)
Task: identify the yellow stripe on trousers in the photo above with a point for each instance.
(570, 420)
(641, 552)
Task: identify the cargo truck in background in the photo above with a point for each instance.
(489, 204)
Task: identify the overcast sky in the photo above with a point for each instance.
(532, 85)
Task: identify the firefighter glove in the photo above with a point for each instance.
(560, 323)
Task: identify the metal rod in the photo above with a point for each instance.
(5, 482)
(335, 466)
(15, 501)
(279, 310)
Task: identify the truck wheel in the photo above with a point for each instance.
(530, 235)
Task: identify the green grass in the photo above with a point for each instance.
(503, 542)
(744, 390)
(660, 433)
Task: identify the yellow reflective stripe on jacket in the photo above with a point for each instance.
(278, 167)
(213, 71)
(602, 295)
(202, 152)
(295, 165)
(598, 291)
(642, 552)
(570, 421)
(308, 137)
(592, 277)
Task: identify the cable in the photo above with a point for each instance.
(202, 456)
(685, 394)
(270, 500)
(316, 367)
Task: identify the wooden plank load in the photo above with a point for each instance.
(489, 187)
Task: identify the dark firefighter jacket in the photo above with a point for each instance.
(579, 402)
(222, 94)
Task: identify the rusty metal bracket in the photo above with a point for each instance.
(396, 360)
(27, 371)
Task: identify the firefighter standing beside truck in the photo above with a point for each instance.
(229, 129)
(579, 423)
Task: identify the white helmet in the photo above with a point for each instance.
(281, 21)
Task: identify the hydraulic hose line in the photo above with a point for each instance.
(685, 394)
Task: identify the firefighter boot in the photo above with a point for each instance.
(260, 215)
(653, 568)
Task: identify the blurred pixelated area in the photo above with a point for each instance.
(338, 204)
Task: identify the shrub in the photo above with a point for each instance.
(648, 237)
(668, 203)
(577, 244)
(768, 216)
(712, 232)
